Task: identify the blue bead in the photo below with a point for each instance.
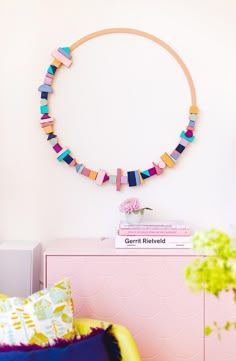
(131, 178)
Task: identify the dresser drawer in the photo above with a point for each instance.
(144, 292)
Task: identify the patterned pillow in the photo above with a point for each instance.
(99, 345)
(38, 319)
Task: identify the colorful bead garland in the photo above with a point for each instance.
(134, 177)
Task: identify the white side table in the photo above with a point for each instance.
(19, 268)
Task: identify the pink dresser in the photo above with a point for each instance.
(141, 289)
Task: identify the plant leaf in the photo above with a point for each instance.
(208, 330)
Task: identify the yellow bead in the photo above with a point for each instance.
(193, 109)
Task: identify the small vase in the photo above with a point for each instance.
(133, 217)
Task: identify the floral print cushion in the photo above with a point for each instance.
(39, 319)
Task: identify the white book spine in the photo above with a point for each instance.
(153, 242)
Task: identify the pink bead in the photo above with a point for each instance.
(47, 80)
(86, 172)
(124, 179)
(162, 164)
(73, 163)
(184, 142)
(189, 133)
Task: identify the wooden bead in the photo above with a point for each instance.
(79, 168)
(47, 80)
(63, 154)
(44, 109)
(137, 178)
(67, 62)
(73, 163)
(152, 171)
(192, 123)
(131, 178)
(48, 129)
(44, 95)
(106, 178)
(45, 116)
(124, 179)
(193, 117)
(140, 178)
(65, 52)
(56, 63)
(184, 142)
(145, 174)
(46, 124)
(162, 164)
(112, 179)
(68, 159)
(85, 172)
(43, 102)
(58, 148)
(100, 176)
(46, 120)
(93, 174)
(50, 75)
(52, 69)
(45, 88)
(193, 109)
(175, 155)
(118, 179)
(180, 148)
(168, 160)
(158, 169)
(51, 136)
(53, 141)
(190, 128)
(183, 135)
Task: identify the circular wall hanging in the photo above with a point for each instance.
(132, 177)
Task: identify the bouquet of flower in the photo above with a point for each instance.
(132, 205)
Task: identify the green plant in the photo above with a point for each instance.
(215, 270)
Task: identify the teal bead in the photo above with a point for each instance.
(63, 155)
(182, 135)
(44, 109)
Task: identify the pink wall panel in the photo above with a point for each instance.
(145, 293)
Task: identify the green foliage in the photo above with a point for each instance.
(214, 270)
(208, 330)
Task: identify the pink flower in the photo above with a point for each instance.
(129, 205)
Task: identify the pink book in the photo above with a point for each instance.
(154, 232)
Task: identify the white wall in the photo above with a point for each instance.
(123, 103)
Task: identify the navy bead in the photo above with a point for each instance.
(180, 148)
(51, 135)
(131, 178)
(44, 95)
(68, 159)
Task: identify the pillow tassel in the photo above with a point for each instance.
(112, 345)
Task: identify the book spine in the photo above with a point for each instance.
(153, 226)
(154, 232)
(153, 242)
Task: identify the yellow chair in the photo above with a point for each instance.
(128, 348)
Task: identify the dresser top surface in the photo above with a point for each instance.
(106, 247)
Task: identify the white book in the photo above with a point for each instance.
(153, 242)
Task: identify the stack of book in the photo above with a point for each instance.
(154, 235)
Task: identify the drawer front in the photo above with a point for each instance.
(147, 294)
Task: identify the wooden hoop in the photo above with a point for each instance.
(147, 36)
(133, 177)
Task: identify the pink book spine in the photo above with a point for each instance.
(157, 232)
